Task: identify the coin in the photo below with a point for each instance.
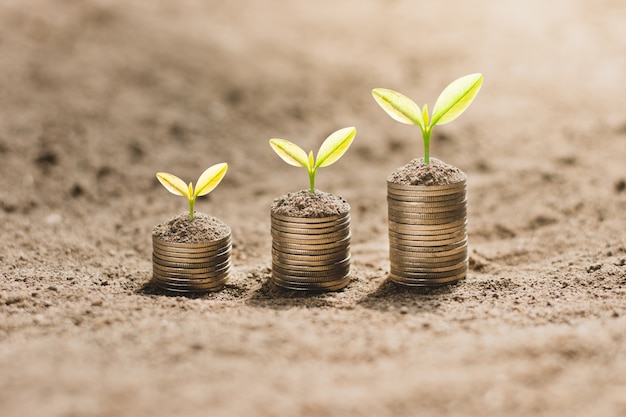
(439, 194)
(425, 243)
(206, 282)
(432, 282)
(312, 240)
(310, 220)
(300, 266)
(408, 227)
(422, 208)
(424, 187)
(306, 266)
(188, 259)
(312, 261)
(410, 201)
(427, 218)
(279, 244)
(192, 246)
(429, 262)
(417, 216)
(311, 275)
(178, 250)
(415, 246)
(187, 277)
(432, 224)
(191, 259)
(304, 279)
(184, 263)
(457, 254)
(427, 251)
(190, 287)
(345, 221)
(192, 290)
(309, 230)
(420, 187)
(322, 286)
(307, 257)
(174, 280)
(410, 275)
(426, 272)
(419, 268)
(422, 237)
(193, 271)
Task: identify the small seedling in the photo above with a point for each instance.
(452, 102)
(331, 150)
(209, 179)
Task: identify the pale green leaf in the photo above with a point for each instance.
(289, 152)
(398, 106)
(210, 178)
(335, 146)
(456, 98)
(311, 161)
(425, 114)
(173, 184)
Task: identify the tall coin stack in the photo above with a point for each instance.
(311, 253)
(191, 267)
(427, 233)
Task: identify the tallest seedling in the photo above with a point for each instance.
(452, 102)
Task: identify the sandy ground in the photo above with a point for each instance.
(96, 97)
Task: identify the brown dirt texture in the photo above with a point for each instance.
(98, 96)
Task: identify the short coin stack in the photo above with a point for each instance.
(427, 233)
(311, 253)
(191, 267)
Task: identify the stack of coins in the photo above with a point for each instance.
(311, 253)
(427, 233)
(191, 267)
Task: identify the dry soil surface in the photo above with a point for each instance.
(97, 96)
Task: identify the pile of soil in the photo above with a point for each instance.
(179, 229)
(435, 172)
(304, 204)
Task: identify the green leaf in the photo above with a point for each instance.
(289, 152)
(456, 98)
(173, 184)
(311, 164)
(210, 178)
(398, 106)
(335, 146)
(425, 115)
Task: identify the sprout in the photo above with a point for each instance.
(331, 150)
(209, 179)
(452, 102)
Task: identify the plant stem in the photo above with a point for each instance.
(312, 182)
(191, 202)
(427, 147)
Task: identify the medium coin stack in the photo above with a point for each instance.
(191, 267)
(311, 253)
(427, 233)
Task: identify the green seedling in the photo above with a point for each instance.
(207, 181)
(452, 102)
(331, 150)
